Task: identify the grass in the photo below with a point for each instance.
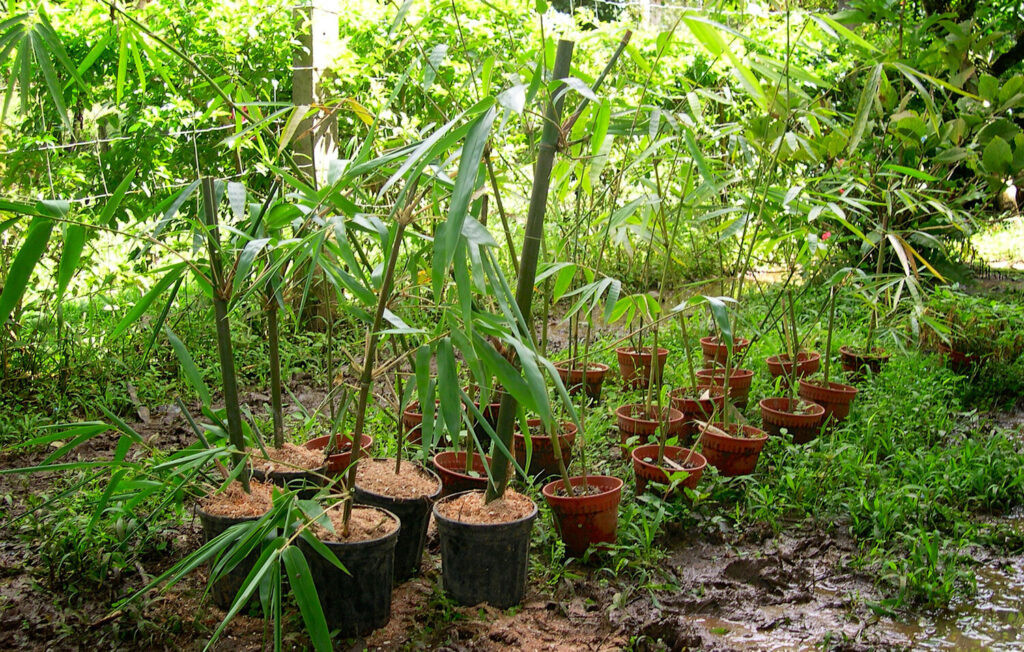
(914, 476)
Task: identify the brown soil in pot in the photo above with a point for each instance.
(286, 459)
(378, 476)
(233, 502)
(365, 524)
(470, 508)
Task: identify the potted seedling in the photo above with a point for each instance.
(782, 365)
(640, 366)
(485, 558)
(730, 447)
(697, 401)
(799, 417)
(834, 397)
(404, 488)
(675, 465)
(463, 468)
(868, 358)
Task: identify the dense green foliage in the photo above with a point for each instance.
(735, 151)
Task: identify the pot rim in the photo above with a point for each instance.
(367, 542)
(448, 521)
(461, 470)
(850, 351)
(566, 365)
(645, 351)
(422, 467)
(801, 358)
(718, 424)
(679, 416)
(549, 489)
(678, 449)
(816, 410)
(738, 372)
(838, 388)
(712, 340)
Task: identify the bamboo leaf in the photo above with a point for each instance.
(146, 301)
(301, 580)
(74, 242)
(188, 366)
(20, 272)
(107, 216)
(867, 100)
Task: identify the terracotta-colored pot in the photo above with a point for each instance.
(636, 421)
(451, 468)
(646, 470)
(777, 413)
(542, 458)
(836, 398)
(574, 381)
(716, 353)
(733, 455)
(739, 383)
(782, 365)
(583, 521)
(958, 361)
(687, 400)
(635, 366)
(338, 461)
(412, 422)
(857, 363)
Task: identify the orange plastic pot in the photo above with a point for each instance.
(646, 470)
(635, 366)
(589, 520)
(835, 399)
(636, 421)
(782, 365)
(739, 383)
(733, 455)
(542, 458)
(858, 363)
(451, 468)
(687, 400)
(716, 353)
(778, 413)
(576, 380)
(338, 461)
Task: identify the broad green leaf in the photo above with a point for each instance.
(301, 580)
(74, 242)
(997, 156)
(146, 301)
(20, 272)
(188, 366)
(867, 100)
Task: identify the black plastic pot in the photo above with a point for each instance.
(358, 601)
(484, 563)
(414, 513)
(226, 588)
(307, 482)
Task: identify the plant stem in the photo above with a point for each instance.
(828, 338)
(221, 294)
(366, 376)
(528, 264)
(273, 343)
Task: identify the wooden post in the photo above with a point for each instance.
(316, 139)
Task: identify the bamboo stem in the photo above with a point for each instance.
(528, 264)
(221, 293)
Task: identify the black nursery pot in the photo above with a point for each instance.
(414, 513)
(484, 563)
(358, 601)
(226, 588)
(307, 482)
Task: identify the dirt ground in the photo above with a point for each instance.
(759, 591)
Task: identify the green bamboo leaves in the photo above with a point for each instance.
(31, 38)
(32, 249)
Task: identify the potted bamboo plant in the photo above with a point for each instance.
(835, 398)
(730, 447)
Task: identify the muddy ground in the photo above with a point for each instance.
(755, 590)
